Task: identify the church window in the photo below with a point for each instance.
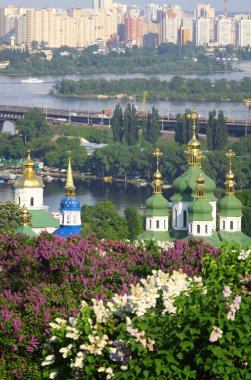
(191, 228)
(164, 223)
(198, 228)
(184, 218)
(68, 219)
(19, 200)
(32, 201)
(231, 225)
(175, 217)
(150, 223)
(224, 225)
(206, 229)
(157, 223)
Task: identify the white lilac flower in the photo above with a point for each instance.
(96, 345)
(123, 367)
(53, 375)
(72, 333)
(101, 312)
(226, 292)
(48, 360)
(216, 334)
(233, 307)
(65, 350)
(244, 255)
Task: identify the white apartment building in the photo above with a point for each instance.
(104, 4)
(244, 29)
(225, 31)
(170, 24)
(202, 31)
(80, 28)
(204, 11)
(151, 12)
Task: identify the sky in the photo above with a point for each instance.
(233, 5)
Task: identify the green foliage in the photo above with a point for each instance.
(104, 221)
(97, 134)
(178, 88)
(183, 128)
(33, 125)
(117, 124)
(245, 197)
(151, 126)
(172, 327)
(131, 128)
(166, 58)
(134, 222)
(11, 215)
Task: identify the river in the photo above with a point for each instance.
(13, 92)
(91, 192)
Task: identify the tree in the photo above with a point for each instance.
(33, 125)
(151, 126)
(211, 125)
(220, 135)
(183, 129)
(131, 130)
(217, 136)
(103, 220)
(134, 222)
(117, 124)
(11, 215)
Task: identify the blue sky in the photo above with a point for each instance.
(233, 5)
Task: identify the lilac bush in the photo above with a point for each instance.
(47, 277)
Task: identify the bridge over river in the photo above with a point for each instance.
(167, 122)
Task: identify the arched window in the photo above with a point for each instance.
(224, 225)
(184, 218)
(157, 223)
(68, 219)
(198, 228)
(231, 225)
(19, 200)
(32, 201)
(206, 229)
(164, 223)
(191, 228)
(175, 217)
(150, 223)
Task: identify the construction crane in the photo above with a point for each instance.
(225, 13)
(143, 103)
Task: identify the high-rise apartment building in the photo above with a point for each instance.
(105, 4)
(204, 11)
(151, 12)
(55, 27)
(244, 33)
(225, 31)
(202, 31)
(133, 33)
(170, 24)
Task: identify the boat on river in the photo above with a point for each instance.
(31, 80)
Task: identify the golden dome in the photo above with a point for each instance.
(157, 175)
(194, 153)
(29, 179)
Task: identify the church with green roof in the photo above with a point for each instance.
(29, 189)
(194, 205)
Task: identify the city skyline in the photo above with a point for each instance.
(242, 6)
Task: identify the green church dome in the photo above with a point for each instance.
(230, 206)
(200, 210)
(157, 205)
(185, 186)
